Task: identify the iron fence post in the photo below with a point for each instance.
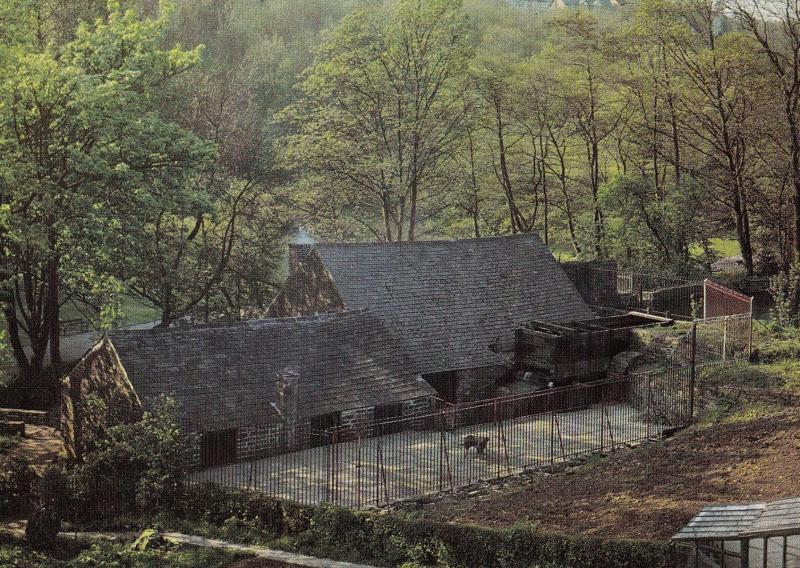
(692, 369)
(750, 332)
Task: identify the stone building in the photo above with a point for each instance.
(455, 304)
(95, 395)
(251, 389)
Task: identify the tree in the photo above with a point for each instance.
(652, 227)
(578, 49)
(378, 120)
(775, 25)
(81, 148)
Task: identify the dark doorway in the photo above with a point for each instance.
(446, 385)
(388, 418)
(322, 427)
(218, 448)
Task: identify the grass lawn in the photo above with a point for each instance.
(724, 247)
(134, 311)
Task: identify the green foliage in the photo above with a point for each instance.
(785, 292)
(83, 151)
(774, 343)
(133, 466)
(239, 509)
(648, 228)
(16, 477)
(7, 442)
(399, 540)
(20, 557)
(117, 555)
(378, 119)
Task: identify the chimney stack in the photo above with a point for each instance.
(299, 247)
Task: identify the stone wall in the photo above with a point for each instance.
(264, 440)
(357, 421)
(34, 417)
(308, 290)
(100, 376)
(479, 383)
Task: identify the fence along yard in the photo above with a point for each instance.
(381, 461)
(429, 453)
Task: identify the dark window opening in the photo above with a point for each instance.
(388, 418)
(218, 448)
(446, 385)
(322, 427)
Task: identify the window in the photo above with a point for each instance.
(388, 418)
(218, 447)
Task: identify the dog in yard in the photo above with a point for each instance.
(471, 441)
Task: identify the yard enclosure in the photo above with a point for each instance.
(430, 453)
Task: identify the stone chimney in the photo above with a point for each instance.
(287, 405)
(299, 247)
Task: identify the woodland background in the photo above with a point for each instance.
(156, 157)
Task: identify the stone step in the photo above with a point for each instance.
(12, 428)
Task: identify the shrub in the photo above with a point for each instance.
(48, 501)
(134, 466)
(216, 504)
(43, 526)
(402, 540)
(785, 292)
(15, 486)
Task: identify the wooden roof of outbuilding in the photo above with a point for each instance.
(779, 517)
(720, 522)
(225, 375)
(452, 301)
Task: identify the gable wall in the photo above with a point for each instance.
(308, 290)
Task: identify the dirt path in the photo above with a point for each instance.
(650, 492)
(263, 557)
(39, 447)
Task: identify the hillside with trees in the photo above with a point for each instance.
(165, 151)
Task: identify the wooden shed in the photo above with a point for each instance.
(579, 351)
(751, 535)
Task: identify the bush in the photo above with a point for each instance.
(785, 292)
(15, 486)
(401, 540)
(48, 501)
(43, 526)
(217, 505)
(394, 540)
(138, 466)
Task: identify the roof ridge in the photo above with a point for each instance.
(398, 244)
(260, 323)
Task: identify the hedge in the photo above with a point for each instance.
(395, 539)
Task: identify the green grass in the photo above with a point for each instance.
(725, 247)
(134, 311)
(7, 442)
(722, 246)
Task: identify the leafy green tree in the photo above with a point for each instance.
(82, 148)
(654, 228)
(378, 120)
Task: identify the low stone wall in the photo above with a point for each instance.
(34, 417)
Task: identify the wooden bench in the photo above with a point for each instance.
(12, 428)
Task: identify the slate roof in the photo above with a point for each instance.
(779, 517)
(451, 300)
(720, 522)
(745, 520)
(224, 375)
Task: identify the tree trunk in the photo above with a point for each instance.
(52, 320)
